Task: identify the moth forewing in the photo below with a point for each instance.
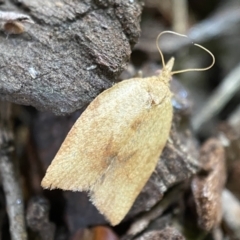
(114, 146)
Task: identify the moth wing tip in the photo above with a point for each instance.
(46, 185)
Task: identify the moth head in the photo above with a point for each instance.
(169, 65)
(166, 73)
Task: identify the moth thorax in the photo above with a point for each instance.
(165, 76)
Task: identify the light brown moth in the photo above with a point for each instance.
(113, 148)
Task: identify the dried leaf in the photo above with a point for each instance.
(114, 146)
(207, 187)
(231, 213)
(104, 233)
(96, 233)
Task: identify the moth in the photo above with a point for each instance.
(14, 23)
(113, 148)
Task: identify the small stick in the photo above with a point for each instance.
(14, 200)
(142, 222)
(13, 16)
(37, 218)
(180, 15)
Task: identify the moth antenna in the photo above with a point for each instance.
(157, 40)
(197, 69)
(159, 50)
(189, 69)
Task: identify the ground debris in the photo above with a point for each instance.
(37, 218)
(169, 233)
(142, 222)
(9, 177)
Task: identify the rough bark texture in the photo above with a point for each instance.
(75, 50)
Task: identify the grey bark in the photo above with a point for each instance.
(75, 50)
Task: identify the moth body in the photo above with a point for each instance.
(113, 148)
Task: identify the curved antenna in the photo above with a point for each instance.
(198, 69)
(157, 40)
(189, 69)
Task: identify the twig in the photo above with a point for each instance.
(10, 182)
(180, 15)
(14, 16)
(37, 218)
(141, 223)
(220, 97)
